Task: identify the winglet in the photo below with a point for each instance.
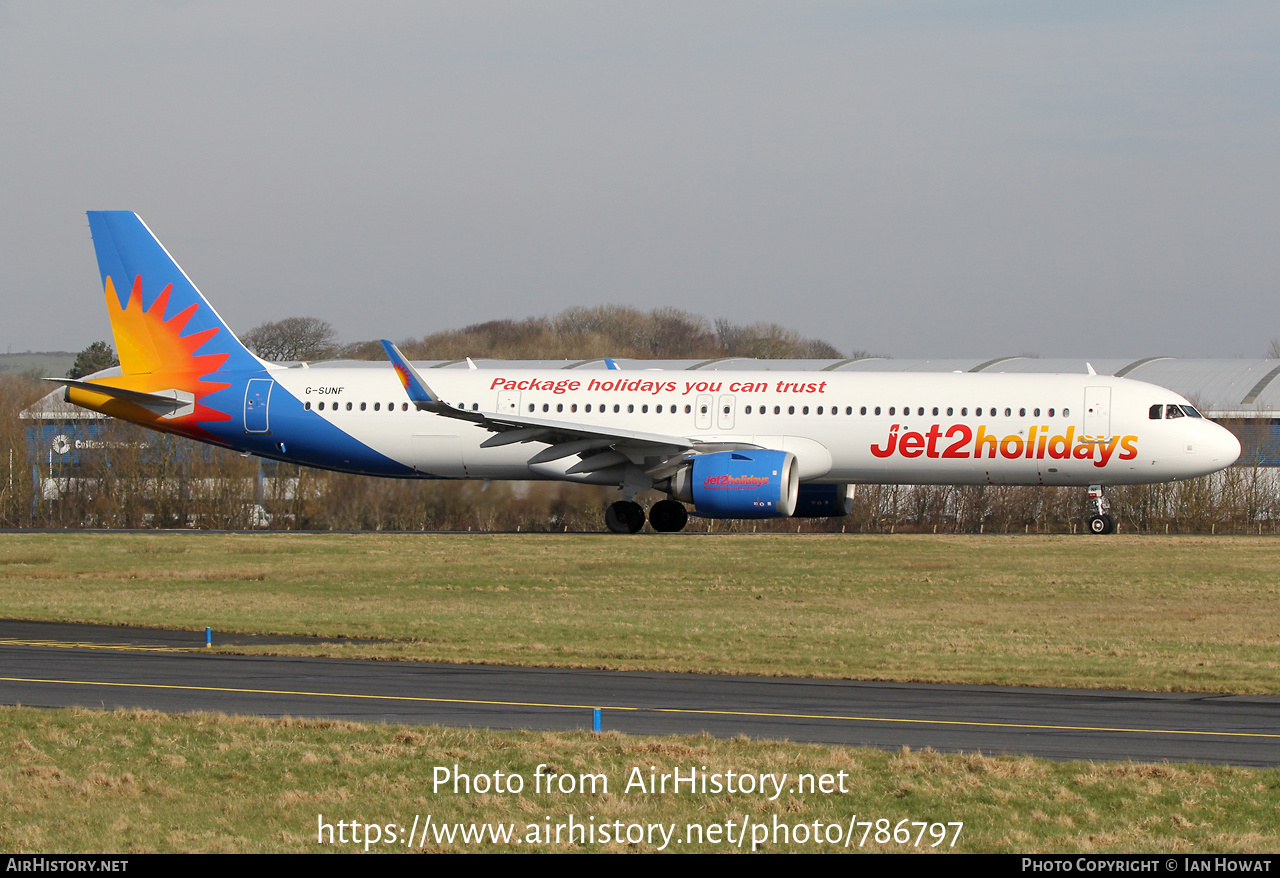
(420, 394)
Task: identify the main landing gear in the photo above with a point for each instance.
(668, 516)
(1101, 521)
(627, 517)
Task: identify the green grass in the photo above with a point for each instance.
(1188, 613)
(132, 782)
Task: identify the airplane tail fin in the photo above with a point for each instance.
(160, 321)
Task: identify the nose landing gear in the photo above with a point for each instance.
(1101, 521)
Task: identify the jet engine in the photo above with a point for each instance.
(739, 484)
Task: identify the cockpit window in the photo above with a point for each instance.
(1173, 411)
(1157, 412)
(1191, 412)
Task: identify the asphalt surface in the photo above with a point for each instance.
(51, 665)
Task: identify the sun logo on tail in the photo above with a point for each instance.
(155, 356)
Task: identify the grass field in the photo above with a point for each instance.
(1150, 613)
(132, 782)
(1186, 613)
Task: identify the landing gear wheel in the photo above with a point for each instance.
(624, 517)
(668, 516)
(1102, 524)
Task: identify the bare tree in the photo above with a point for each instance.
(294, 338)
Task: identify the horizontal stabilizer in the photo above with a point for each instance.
(165, 402)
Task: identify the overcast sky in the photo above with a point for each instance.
(916, 178)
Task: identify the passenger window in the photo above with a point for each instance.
(1066, 413)
(1008, 413)
(748, 409)
(573, 407)
(1157, 412)
(864, 410)
(950, 411)
(588, 408)
(362, 406)
(819, 409)
(631, 409)
(1051, 413)
(892, 409)
(777, 410)
(877, 410)
(1037, 413)
(307, 406)
(920, 411)
(805, 410)
(616, 408)
(791, 410)
(1022, 413)
(935, 410)
(559, 406)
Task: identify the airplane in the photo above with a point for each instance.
(739, 445)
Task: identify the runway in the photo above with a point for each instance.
(48, 665)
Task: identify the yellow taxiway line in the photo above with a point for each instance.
(679, 710)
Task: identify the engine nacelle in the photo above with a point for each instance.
(739, 484)
(824, 501)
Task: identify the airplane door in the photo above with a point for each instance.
(1097, 411)
(724, 413)
(509, 402)
(256, 396)
(702, 413)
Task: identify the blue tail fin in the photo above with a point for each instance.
(159, 319)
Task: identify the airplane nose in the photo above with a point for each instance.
(1225, 447)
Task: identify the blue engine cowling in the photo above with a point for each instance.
(739, 484)
(824, 501)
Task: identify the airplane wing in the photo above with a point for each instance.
(598, 447)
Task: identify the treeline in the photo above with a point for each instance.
(136, 478)
(573, 334)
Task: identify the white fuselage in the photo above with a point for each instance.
(903, 428)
